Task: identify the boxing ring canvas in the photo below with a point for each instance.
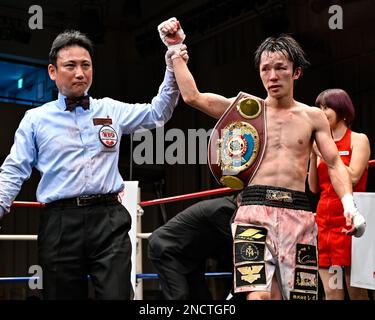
(363, 249)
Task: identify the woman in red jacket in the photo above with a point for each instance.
(334, 245)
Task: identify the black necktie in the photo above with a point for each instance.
(72, 103)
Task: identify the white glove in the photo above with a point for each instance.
(353, 217)
(168, 60)
(171, 33)
(175, 53)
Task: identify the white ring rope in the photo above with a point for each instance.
(34, 237)
(19, 237)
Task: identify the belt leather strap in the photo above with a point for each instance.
(86, 200)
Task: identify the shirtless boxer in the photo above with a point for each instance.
(274, 230)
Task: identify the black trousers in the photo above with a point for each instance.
(179, 249)
(74, 242)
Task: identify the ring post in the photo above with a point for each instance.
(129, 199)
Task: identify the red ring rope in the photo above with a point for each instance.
(185, 196)
(193, 195)
(143, 203)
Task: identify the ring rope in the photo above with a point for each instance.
(18, 237)
(144, 203)
(186, 196)
(147, 203)
(138, 276)
(34, 237)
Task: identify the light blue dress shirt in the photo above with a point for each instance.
(65, 147)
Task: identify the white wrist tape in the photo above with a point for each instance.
(358, 220)
(179, 37)
(348, 203)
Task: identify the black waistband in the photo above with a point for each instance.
(275, 197)
(87, 200)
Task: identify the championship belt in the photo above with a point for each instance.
(238, 141)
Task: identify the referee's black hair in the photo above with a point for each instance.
(69, 38)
